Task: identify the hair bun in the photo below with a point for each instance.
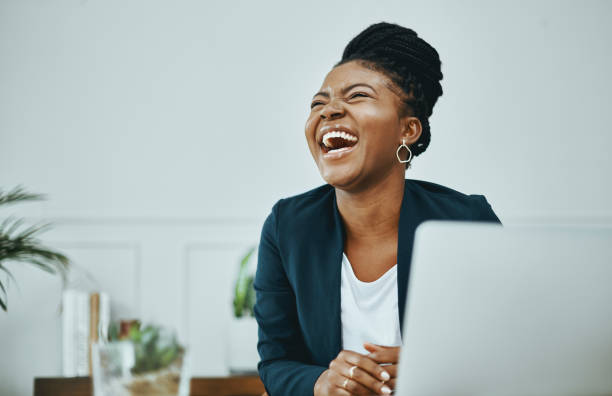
(375, 36)
(403, 47)
(409, 61)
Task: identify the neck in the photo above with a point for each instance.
(372, 213)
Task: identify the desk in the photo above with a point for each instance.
(200, 386)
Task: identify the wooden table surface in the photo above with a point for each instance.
(200, 386)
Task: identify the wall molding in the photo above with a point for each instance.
(143, 220)
(133, 246)
(187, 250)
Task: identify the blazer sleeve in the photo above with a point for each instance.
(483, 211)
(280, 345)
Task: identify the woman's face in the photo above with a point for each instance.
(354, 127)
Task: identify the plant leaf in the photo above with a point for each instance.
(3, 268)
(42, 265)
(16, 224)
(242, 285)
(18, 194)
(6, 222)
(3, 301)
(21, 245)
(249, 302)
(29, 232)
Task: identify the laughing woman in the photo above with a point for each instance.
(334, 261)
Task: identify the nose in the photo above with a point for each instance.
(332, 110)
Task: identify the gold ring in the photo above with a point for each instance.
(352, 371)
(344, 383)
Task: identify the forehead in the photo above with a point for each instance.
(351, 73)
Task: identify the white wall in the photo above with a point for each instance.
(163, 132)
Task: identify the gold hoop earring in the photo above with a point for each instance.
(407, 148)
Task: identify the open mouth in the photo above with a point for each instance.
(336, 141)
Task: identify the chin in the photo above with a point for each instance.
(338, 178)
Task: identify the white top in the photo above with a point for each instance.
(369, 310)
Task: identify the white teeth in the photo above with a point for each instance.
(340, 134)
(339, 149)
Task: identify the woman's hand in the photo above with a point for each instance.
(367, 377)
(385, 355)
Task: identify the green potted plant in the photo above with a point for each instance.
(20, 244)
(242, 342)
(244, 294)
(139, 361)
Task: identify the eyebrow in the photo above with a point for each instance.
(345, 90)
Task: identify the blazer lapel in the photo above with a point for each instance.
(323, 261)
(410, 218)
(403, 255)
(335, 265)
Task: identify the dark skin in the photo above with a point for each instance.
(369, 187)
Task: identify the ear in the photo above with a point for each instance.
(411, 129)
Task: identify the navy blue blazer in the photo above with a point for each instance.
(297, 282)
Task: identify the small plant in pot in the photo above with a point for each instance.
(242, 343)
(139, 361)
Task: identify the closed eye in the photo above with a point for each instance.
(364, 95)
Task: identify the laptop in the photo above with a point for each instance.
(510, 310)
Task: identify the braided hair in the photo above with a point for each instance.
(410, 62)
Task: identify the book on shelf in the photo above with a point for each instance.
(85, 319)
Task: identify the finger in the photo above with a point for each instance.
(385, 351)
(360, 382)
(392, 370)
(374, 347)
(353, 387)
(385, 355)
(370, 347)
(365, 363)
(340, 391)
(368, 372)
(391, 383)
(336, 382)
